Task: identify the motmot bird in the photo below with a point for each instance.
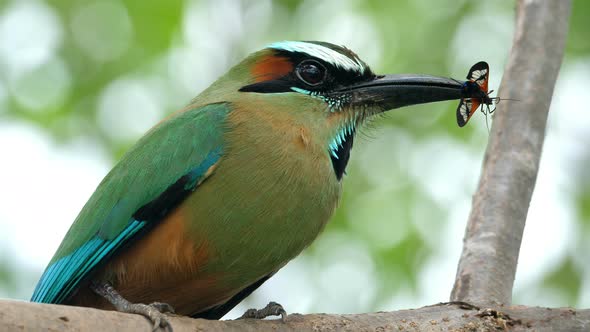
(216, 198)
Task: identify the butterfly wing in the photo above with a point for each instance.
(465, 110)
(480, 73)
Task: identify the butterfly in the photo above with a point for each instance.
(475, 94)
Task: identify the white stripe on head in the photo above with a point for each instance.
(321, 52)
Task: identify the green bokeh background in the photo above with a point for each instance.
(411, 176)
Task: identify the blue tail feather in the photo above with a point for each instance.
(65, 274)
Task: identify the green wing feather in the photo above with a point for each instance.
(155, 175)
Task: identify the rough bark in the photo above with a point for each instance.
(18, 316)
(494, 232)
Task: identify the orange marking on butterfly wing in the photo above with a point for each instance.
(271, 67)
(466, 109)
(480, 73)
(484, 84)
(475, 102)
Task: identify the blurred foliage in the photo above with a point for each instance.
(578, 43)
(566, 279)
(167, 45)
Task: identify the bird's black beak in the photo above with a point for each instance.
(393, 91)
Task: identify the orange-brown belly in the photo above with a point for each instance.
(163, 266)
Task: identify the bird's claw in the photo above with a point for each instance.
(154, 312)
(271, 309)
(163, 307)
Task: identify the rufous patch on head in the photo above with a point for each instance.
(271, 67)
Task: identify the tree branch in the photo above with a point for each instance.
(494, 232)
(17, 316)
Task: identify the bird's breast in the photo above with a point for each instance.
(272, 193)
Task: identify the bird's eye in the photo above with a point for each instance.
(311, 72)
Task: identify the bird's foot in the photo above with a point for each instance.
(155, 312)
(271, 309)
